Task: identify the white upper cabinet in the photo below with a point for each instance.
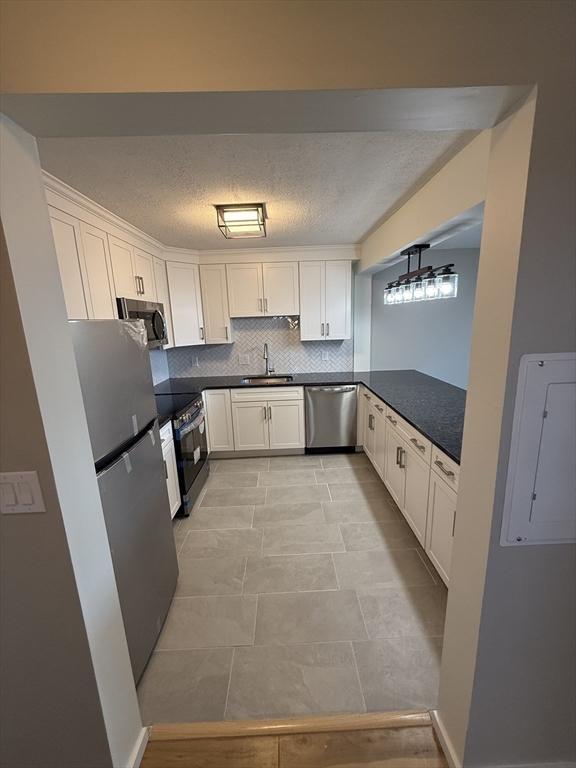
(68, 243)
(338, 300)
(186, 303)
(122, 268)
(245, 290)
(257, 290)
(98, 273)
(312, 300)
(280, 280)
(133, 271)
(163, 296)
(325, 300)
(215, 304)
(144, 272)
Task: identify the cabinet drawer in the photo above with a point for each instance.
(166, 434)
(445, 468)
(415, 439)
(268, 394)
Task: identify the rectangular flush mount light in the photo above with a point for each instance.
(242, 220)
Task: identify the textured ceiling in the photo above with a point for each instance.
(320, 189)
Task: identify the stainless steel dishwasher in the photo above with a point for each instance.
(331, 416)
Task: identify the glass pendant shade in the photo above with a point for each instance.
(407, 293)
(447, 286)
(417, 290)
(430, 288)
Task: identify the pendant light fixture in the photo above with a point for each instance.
(422, 284)
(241, 220)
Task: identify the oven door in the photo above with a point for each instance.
(191, 450)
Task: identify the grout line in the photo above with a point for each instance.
(229, 682)
(368, 635)
(335, 570)
(358, 675)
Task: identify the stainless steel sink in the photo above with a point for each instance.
(267, 380)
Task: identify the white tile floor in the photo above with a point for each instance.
(301, 591)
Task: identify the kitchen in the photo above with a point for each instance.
(313, 500)
(131, 121)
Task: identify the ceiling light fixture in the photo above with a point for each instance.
(242, 220)
(423, 283)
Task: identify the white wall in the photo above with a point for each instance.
(430, 336)
(41, 304)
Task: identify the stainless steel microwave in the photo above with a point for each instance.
(151, 313)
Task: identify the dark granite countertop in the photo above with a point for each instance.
(434, 407)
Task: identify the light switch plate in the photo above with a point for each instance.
(20, 493)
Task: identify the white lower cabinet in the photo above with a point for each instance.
(250, 426)
(394, 470)
(416, 494)
(268, 420)
(169, 456)
(440, 527)
(219, 420)
(286, 424)
(420, 478)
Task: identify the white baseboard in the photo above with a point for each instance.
(445, 742)
(454, 762)
(139, 749)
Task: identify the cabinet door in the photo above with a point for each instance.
(312, 300)
(98, 273)
(250, 425)
(416, 495)
(286, 424)
(219, 420)
(169, 456)
(215, 304)
(338, 300)
(394, 472)
(370, 432)
(67, 240)
(163, 296)
(379, 457)
(281, 290)
(144, 269)
(440, 529)
(245, 290)
(122, 268)
(186, 304)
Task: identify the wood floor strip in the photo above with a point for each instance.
(316, 724)
(240, 752)
(386, 748)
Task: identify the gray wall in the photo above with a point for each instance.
(287, 353)
(49, 705)
(430, 336)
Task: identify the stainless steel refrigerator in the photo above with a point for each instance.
(116, 380)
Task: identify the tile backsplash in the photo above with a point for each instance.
(287, 353)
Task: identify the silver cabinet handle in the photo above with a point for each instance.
(398, 449)
(265, 412)
(379, 408)
(166, 469)
(402, 466)
(260, 305)
(391, 419)
(269, 413)
(442, 468)
(321, 329)
(453, 523)
(417, 444)
(136, 280)
(201, 332)
(367, 396)
(143, 288)
(265, 305)
(327, 329)
(226, 329)
(370, 421)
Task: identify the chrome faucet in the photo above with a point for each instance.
(266, 357)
